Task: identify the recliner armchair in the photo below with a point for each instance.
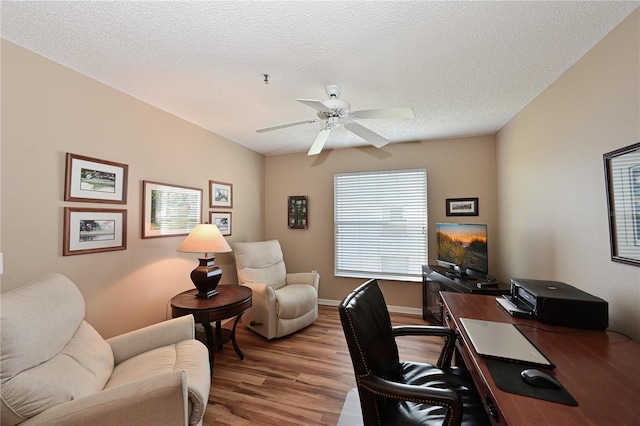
(55, 369)
(394, 392)
(283, 303)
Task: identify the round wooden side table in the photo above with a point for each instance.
(231, 301)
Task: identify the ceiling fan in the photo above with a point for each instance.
(333, 111)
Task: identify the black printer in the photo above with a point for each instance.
(556, 303)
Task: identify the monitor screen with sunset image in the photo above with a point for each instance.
(463, 247)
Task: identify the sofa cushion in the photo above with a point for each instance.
(267, 263)
(26, 341)
(184, 356)
(48, 358)
(81, 368)
(296, 300)
(290, 325)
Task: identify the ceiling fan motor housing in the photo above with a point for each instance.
(338, 106)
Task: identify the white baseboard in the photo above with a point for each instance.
(391, 308)
(328, 302)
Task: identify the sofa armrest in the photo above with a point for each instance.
(156, 400)
(262, 315)
(263, 293)
(154, 336)
(310, 278)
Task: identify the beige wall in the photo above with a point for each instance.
(49, 110)
(455, 168)
(546, 213)
(551, 191)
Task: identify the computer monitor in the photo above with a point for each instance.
(463, 247)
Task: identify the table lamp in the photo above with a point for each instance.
(205, 238)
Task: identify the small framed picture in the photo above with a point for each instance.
(462, 207)
(222, 220)
(93, 230)
(169, 210)
(94, 180)
(220, 194)
(297, 206)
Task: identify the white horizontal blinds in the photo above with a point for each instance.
(625, 180)
(380, 221)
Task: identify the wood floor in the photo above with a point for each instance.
(301, 379)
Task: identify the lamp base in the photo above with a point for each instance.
(207, 295)
(206, 277)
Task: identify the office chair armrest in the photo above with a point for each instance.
(447, 398)
(444, 360)
(422, 330)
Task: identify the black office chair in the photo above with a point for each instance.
(394, 392)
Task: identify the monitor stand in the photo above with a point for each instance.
(464, 276)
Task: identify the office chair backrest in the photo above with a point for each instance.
(367, 329)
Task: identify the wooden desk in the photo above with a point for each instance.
(231, 301)
(600, 369)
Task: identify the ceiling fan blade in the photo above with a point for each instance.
(315, 105)
(282, 126)
(406, 112)
(368, 135)
(318, 144)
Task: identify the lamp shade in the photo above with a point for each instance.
(205, 238)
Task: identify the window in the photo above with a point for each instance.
(380, 221)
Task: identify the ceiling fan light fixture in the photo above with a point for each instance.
(333, 121)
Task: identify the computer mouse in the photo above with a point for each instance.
(540, 379)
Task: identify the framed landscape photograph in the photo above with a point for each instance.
(94, 180)
(220, 194)
(169, 210)
(222, 220)
(93, 230)
(462, 207)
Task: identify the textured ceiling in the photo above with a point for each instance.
(466, 68)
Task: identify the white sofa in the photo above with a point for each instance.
(282, 302)
(55, 369)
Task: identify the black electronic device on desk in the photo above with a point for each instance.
(464, 284)
(435, 280)
(556, 303)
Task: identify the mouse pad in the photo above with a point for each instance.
(507, 378)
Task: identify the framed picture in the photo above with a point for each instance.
(462, 207)
(298, 206)
(622, 178)
(169, 210)
(93, 180)
(93, 230)
(220, 194)
(222, 220)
